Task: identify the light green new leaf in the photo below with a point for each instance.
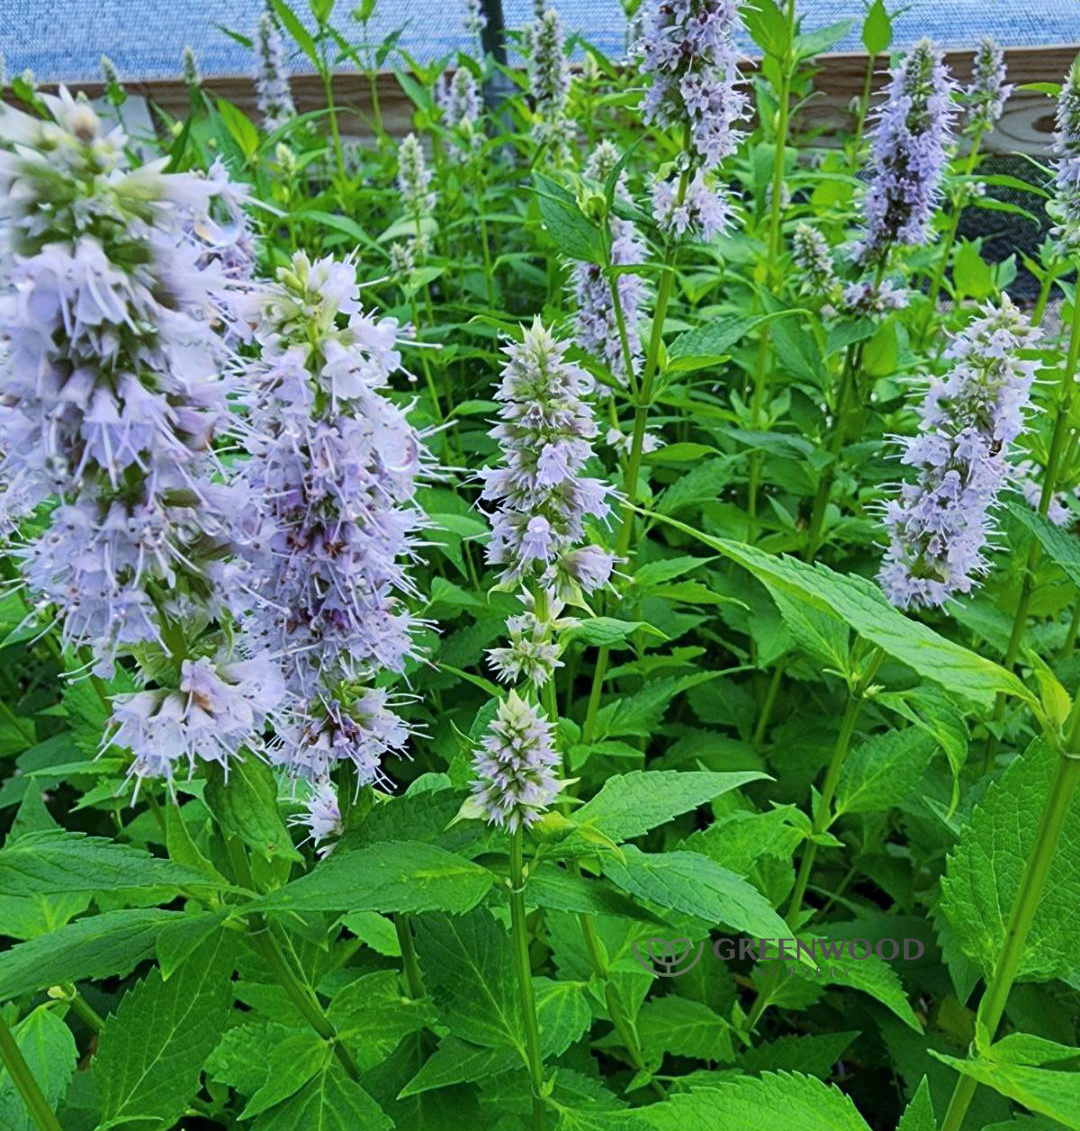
(152, 1049)
(330, 1102)
(54, 862)
(695, 885)
(458, 1062)
(563, 1012)
(94, 947)
(247, 807)
(290, 1064)
(394, 876)
(1042, 1090)
(882, 771)
(1058, 544)
(49, 1050)
(919, 1114)
(983, 875)
(776, 1101)
(860, 603)
(628, 805)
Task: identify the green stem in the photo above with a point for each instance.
(409, 964)
(24, 1081)
(519, 931)
(1044, 297)
(1028, 896)
(864, 106)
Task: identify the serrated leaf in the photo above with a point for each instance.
(373, 1015)
(392, 876)
(54, 862)
(1058, 543)
(152, 1049)
(776, 1101)
(572, 232)
(330, 1102)
(814, 1055)
(1042, 1090)
(682, 1027)
(919, 1114)
(883, 770)
(877, 28)
(628, 805)
(49, 1050)
(456, 1062)
(469, 971)
(608, 631)
(563, 1013)
(96, 947)
(291, 1063)
(695, 885)
(983, 875)
(246, 806)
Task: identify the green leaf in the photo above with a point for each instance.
(572, 232)
(563, 1013)
(712, 341)
(392, 876)
(919, 1114)
(240, 127)
(776, 1101)
(822, 39)
(608, 631)
(373, 1015)
(246, 807)
(297, 30)
(681, 1027)
(860, 603)
(469, 970)
(1042, 1090)
(695, 885)
(457, 1062)
(152, 1049)
(96, 947)
(970, 273)
(814, 1055)
(768, 27)
(54, 862)
(49, 1050)
(330, 1102)
(821, 635)
(1058, 543)
(881, 772)
(983, 875)
(1026, 1048)
(291, 1063)
(702, 484)
(877, 28)
(628, 805)
(640, 713)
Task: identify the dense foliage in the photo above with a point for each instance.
(564, 619)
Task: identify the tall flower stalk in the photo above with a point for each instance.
(273, 96)
(549, 82)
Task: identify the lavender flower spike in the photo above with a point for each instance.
(414, 179)
(1065, 208)
(459, 102)
(941, 522)
(516, 766)
(474, 22)
(549, 80)
(271, 77)
(545, 437)
(910, 152)
(984, 99)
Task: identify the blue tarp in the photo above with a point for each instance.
(64, 39)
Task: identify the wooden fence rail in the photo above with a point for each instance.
(1025, 127)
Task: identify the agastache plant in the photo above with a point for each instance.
(474, 23)
(332, 517)
(113, 391)
(1066, 204)
(985, 96)
(273, 95)
(458, 100)
(542, 498)
(549, 81)
(690, 58)
(910, 153)
(940, 525)
(414, 179)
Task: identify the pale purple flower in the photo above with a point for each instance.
(414, 179)
(703, 212)
(1065, 207)
(910, 153)
(516, 766)
(597, 325)
(273, 96)
(940, 524)
(532, 654)
(690, 54)
(811, 255)
(985, 97)
(868, 298)
(544, 43)
(1025, 478)
(542, 497)
(458, 100)
(321, 816)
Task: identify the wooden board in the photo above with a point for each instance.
(1025, 128)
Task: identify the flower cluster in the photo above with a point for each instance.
(940, 524)
(544, 42)
(331, 515)
(542, 497)
(475, 21)
(910, 152)
(459, 102)
(811, 256)
(414, 179)
(516, 766)
(1066, 204)
(699, 211)
(866, 297)
(690, 53)
(533, 652)
(984, 98)
(274, 98)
